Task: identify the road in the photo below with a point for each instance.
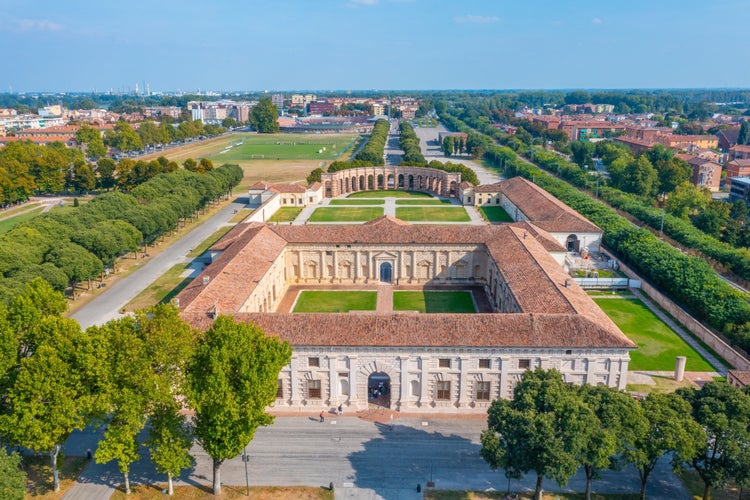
(107, 305)
(363, 460)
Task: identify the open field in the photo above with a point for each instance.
(12, 221)
(285, 214)
(434, 302)
(330, 301)
(247, 146)
(423, 202)
(389, 193)
(356, 202)
(657, 344)
(433, 214)
(154, 492)
(348, 214)
(495, 214)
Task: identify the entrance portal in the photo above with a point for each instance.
(386, 272)
(379, 390)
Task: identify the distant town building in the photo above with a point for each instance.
(319, 108)
(706, 174)
(159, 111)
(739, 152)
(738, 168)
(278, 101)
(739, 187)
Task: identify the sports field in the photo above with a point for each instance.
(285, 214)
(658, 345)
(347, 201)
(433, 214)
(346, 214)
(284, 147)
(434, 302)
(325, 301)
(495, 214)
(389, 193)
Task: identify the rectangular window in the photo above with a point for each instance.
(444, 363)
(443, 391)
(524, 364)
(343, 374)
(484, 363)
(279, 389)
(313, 389)
(313, 362)
(483, 391)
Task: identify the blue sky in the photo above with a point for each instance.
(82, 45)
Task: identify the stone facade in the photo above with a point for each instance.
(353, 180)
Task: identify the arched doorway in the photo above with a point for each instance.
(386, 272)
(379, 390)
(572, 244)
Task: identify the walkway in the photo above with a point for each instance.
(385, 298)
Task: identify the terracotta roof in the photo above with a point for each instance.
(740, 163)
(543, 209)
(288, 188)
(740, 148)
(743, 376)
(260, 185)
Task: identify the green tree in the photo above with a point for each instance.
(264, 117)
(92, 139)
(723, 411)
(170, 440)
(13, 484)
(540, 429)
(232, 379)
(190, 164)
(205, 165)
(583, 153)
(315, 176)
(105, 173)
(448, 146)
(670, 429)
(640, 177)
(123, 137)
(744, 137)
(687, 200)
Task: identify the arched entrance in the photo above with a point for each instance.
(379, 390)
(572, 244)
(386, 272)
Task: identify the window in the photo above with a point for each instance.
(484, 363)
(444, 363)
(483, 391)
(313, 389)
(344, 374)
(443, 390)
(279, 389)
(313, 362)
(524, 364)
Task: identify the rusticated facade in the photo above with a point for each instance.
(426, 179)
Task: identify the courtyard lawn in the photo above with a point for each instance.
(434, 302)
(356, 202)
(389, 193)
(348, 214)
(658, 345)
(284, 147)
(433, 214)
(423, 202)
(325, 301)
(285, 214)
(495, 214)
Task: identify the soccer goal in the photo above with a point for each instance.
(257, 157)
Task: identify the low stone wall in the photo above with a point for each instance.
(732, 356)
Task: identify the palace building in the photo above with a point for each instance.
(530, 313)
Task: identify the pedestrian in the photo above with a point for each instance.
(322, 416)
(341, 410)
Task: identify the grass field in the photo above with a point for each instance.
(658, 345)
(248, 146)
(11, 222)
(423, 202)
(348, 214)
(335, 301)
(389, 193)
(356, 202)
(285, 214)
(434, 302)
(437, 214)
(495, 214)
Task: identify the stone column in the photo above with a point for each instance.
(590, 375)
(623, 374)
(413, 266)
(463, 383)
(504, 377)
(353, 367)
(295, 400)
(333, 382)
(425, 375)
(403, 401)
(356, 266)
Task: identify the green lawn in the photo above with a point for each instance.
(658, 345)
(335, 301)
(285, 214)
(348, 214)
(11, 222)
(441, 214)
(433, 302)
(495, 214)
(423, 202)
(356, 202)
(285, 147)
(389, 193)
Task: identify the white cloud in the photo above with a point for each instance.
(37, 25)
(596, 20)
(470, 19)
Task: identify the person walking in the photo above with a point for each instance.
(322, 416)
(341, 409)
